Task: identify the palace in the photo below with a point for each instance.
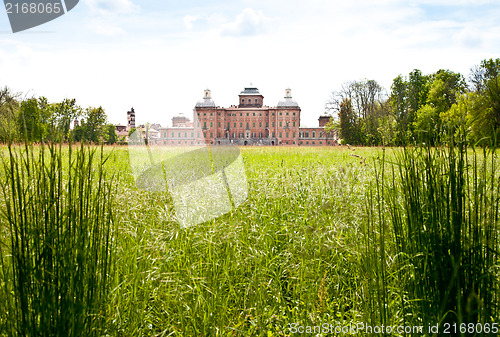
(248, 123)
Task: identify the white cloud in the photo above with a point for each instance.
(248, 22)
(189, 21)
(116, 7)
(105, 28)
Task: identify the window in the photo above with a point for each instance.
(267, 124)
(307, 136)
(256, 100)
(185, 134)
(314, 134)
(211, 134)
(281, 113)
(192, 134)
(173, 135)
(293, 134)
(313, 142)
(219, 135)
(247, 124)
(179, 134)
(241, 125)
(204, 124)
(254, 113)
(281, 124)
(211, 124)
(241, 114)
(198, 135)
(204, 114)
(219, 124)
(253, 124)
(273, 134)
(280, 135)
(287, 113)
(228, 125)
(242, 100)
(164, 135)
(260, 124)
(248, 114)
(286, 135)
(234, 124)
(273, 124)
(293, 123)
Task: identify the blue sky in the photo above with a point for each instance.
(159, 56)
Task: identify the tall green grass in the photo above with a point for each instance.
(433, 229)
(56, 240)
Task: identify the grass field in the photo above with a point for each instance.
(329, 237)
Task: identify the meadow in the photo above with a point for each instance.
(328, 237)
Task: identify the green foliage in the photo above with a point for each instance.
(9, 111)
(427, 124)
(33, 120)
(349, 125)
(93, 128)
(56, 241)
(109, 134)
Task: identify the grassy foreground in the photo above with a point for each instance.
(329, 237)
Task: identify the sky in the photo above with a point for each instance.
(159, 56)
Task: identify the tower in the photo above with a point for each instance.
(250, 97)
(131, 119)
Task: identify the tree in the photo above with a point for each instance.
(94, 122)
(109, 134)
(365, 97)
(486, 81)
(63, 114)
(33, 120)
(408, 95)
(9, 111)
(349, 127)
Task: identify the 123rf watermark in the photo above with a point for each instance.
(26, 14)
(362, 328)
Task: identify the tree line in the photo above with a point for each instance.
(36, 119)
(420, 108)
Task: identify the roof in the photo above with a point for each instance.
(288, 102)
(250, 91)
(205, 103)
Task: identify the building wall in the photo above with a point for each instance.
(249, 123)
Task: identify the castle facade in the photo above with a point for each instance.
(248, 123)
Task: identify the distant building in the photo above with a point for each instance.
(131, 119)
(248, 123)
(121, 130)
